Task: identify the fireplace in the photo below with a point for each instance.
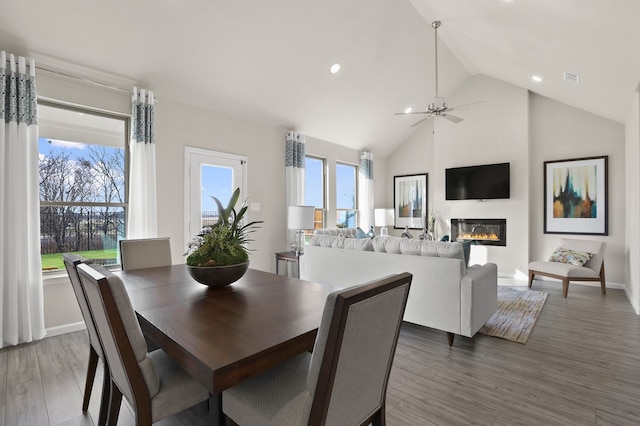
(489, 232)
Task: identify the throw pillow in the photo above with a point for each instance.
(361, 234)
(576, 258)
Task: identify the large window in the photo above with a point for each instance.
(346, 195)
(82, 184)
(314, 194)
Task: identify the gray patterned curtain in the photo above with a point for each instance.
(21, 294)
(142, 217)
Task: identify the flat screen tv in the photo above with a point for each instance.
(485, 182)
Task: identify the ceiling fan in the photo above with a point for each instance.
(438, 108)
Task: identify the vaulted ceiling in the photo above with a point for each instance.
(269, 60)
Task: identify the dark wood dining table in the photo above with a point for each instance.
(223, 336)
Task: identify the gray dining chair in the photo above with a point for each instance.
(344, 381)
(153, 384)
(71, 262)
(145, 253)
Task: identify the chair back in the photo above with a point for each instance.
(71, 262)
(119, 331)
(145, 253)
(354, 350)
(591, 246)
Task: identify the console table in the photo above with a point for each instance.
(289, 256)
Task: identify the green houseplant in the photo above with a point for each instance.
(221, 249)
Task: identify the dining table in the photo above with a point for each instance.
(226, 335)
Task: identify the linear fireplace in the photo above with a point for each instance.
(489, 232)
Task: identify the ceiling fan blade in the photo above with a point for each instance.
(465, 105)
(413, 112)
(451, 118)
(421, 121)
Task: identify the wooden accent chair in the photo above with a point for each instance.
(344, 381)
(153, 384)
(145, 253)
(71, 262)
(593, 270)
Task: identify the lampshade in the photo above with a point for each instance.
(300, 217)
(383, 217)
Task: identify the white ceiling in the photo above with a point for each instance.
(268, 60)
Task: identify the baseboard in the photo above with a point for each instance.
(634, 304)
(66, 328)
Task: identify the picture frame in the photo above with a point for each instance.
(576, 196)
(410, 201)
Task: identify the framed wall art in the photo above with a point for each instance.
(410, 201)
(575, 196)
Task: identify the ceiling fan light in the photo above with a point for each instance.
(335, 68)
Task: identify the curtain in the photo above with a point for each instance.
(21, 294)
(294, 173)
(365, 191)
(142, 219)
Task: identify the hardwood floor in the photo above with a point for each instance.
(581, 366)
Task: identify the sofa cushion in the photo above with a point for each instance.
(574, 257)
(322, 240)
(337, 232)
(387, 244)
(363, 244)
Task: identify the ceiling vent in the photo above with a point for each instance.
(569, 76)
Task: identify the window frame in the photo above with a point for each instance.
(319, 210)
(356, 189)
(127, 137)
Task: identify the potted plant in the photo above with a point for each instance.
(218, 255)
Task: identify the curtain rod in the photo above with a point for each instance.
(82, 79)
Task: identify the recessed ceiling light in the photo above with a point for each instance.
(536, 78)
(334, 68)
(408, 110)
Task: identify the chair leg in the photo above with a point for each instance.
(603, 287)
(106, 392)
(216, 416)
(115, 400)
(565, 287)
(91, 374)
(450, 337)
(379, 418)
(531, 275)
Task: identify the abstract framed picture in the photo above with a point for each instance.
(575, 196)
(409, 201)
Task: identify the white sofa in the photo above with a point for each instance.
(445, 293)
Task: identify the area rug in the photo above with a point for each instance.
(518, 311)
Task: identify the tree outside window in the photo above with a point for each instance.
(82, 189)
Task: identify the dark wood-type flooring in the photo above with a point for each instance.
(581, 366)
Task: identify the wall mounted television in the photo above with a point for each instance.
(484, 182)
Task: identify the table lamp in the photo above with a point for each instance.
(382, 218)
(300, 218)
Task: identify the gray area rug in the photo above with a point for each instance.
(518, 311)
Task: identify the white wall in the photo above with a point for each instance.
(525, 129)
(415, 156)
(494, 131)
(560, 132)
(632, 196)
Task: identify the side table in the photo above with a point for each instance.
(289, 256)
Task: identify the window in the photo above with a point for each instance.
(82, 184)
(314, 194)
(346, 195)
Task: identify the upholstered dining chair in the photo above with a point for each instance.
(344, 381)
(153, 384)
(145, 253)
(71, 262)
